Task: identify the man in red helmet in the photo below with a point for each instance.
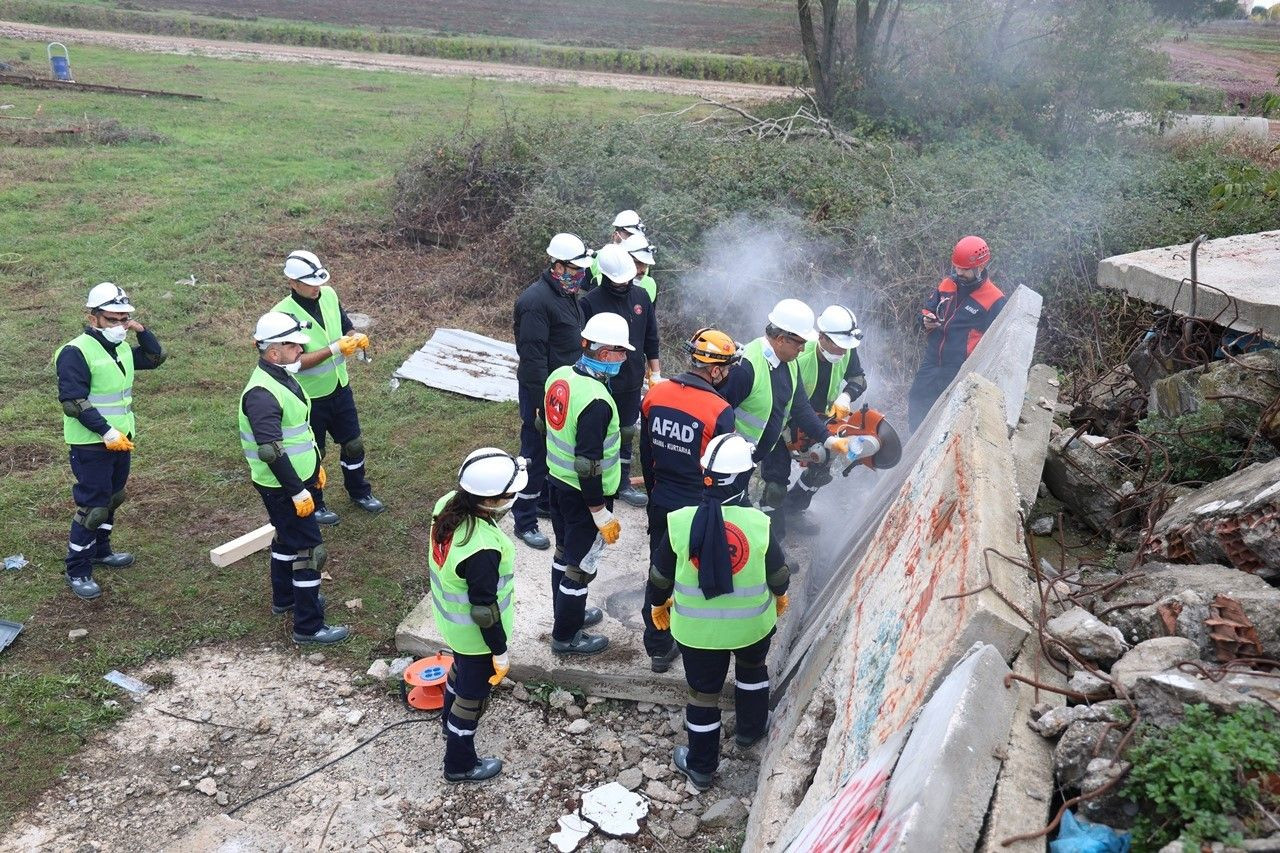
(954, 317)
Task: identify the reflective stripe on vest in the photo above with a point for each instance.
(110, 389)
(295, 426)
(807, 366)
(562, 442)
(739, 618)
(451, 604)
(327, 376)
(752, 414)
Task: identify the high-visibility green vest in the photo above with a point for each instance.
(752, 414)
(295, 423)
(330, 374)
(646, 281)
(732, 621)
(567, 393)
(110, 389)
(807, 365)
(449, 591)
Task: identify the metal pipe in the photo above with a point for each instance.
(1195, 248)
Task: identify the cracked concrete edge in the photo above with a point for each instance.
(1031, 438)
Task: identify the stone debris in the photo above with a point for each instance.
(573, 830)
(1089, 481)
(1094, 687)
(1152, 656)
(1080, 744)
(1109, 807)
(355, 604)
(77, 633)
(656, 790)
(614, 809)
(685, 825)
(1042, 526)
(315, 658)
(1160, 696)
(725, 813)
(1055, 721)
(631, 778)
(578, 727)
(207, 786)
(560, 699)
(1087, 635)
(354, 718)
(379, 669)
(396, 668)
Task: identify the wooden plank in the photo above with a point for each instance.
(40, 83)
(242, 546)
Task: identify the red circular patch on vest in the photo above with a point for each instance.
(440, 551)
(556, 406)
(739, 550)
(638, 310)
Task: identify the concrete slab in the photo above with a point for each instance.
(222, 834)
(1240, 273)
(1031, 437)
(910, 604)
(465, 363)
(1024, 788)
(939, 791)
(622, 670)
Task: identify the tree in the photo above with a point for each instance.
(873, 24)
(1190, 11)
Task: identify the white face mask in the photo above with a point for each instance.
(500, 510)
(293, 366)
(830, 356)
(115, 334)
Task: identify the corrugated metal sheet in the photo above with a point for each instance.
(464, 363)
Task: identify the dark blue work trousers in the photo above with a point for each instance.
(468, 680)
(533, 447)
(705, 670)
(335, 415)
(575, 534)
(295, 577)
(100, 474)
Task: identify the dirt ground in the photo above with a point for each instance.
(1240, 73)
(391, 62)
(230, 723)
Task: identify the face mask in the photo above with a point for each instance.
(293, 366)
(831, 357)
(570, 282)
(114, 334)
(620, 289)
(608, 368)
(497, 512)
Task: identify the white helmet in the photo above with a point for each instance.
(728, 454)
(792, 315)
(111, 297)
(608, 330)
(569, 249)
(305, 267)
(277, 327)
(629, 221)
(616, 263)
(637, 245)
(490, 472)
(839, 324)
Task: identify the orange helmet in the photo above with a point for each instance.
(711, 346)
(970, 252)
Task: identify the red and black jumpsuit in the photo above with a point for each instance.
(965, 312)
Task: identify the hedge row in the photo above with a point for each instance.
(658, 63)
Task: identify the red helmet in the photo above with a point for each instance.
(970, 252)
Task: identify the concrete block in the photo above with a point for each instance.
(1024, 788)
(1239, 272)
(904, 611)
(1031, 436)
(621, 671)
(939, 791)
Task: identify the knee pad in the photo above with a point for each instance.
(117, 499)
(577, 575)
(703, 700)
(92, 517)
(353, 448)
(319, 556)
(485, 616)
(628, 433)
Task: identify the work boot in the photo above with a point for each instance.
(325, 516)
(486, 769)
(802, 521)
(85, 589)
(276, 610)
(592, 616)
(369, 504)
(680, 758)
(745, 742)
(535, 538)
(118, 560)
(633, 496)
(662, 662)
(327, 635)
(581, 644)
(543, 512)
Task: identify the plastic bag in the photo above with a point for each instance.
(1079, 836)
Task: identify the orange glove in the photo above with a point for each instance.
(114, 439)
(321, 477)
(361, 339)
(303, 504)
(608, 525)
(841, 406)
(661, 614)
(501, 666)
(781, 603)
(346, 345)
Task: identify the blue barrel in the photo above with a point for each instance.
(61, 65)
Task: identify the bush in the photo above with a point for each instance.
(1200, 448)
(1189, 779)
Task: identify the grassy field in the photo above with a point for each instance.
(281, 156)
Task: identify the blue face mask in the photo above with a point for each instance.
(608, 368)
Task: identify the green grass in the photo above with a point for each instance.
(281, 156)
(669, 62)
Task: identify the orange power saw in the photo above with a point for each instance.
(864, 421)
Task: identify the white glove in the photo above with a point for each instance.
(862, 446)
(655, 378)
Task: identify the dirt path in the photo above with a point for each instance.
(1240, 73)
(394, 62)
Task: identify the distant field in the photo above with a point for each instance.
(761, 27)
